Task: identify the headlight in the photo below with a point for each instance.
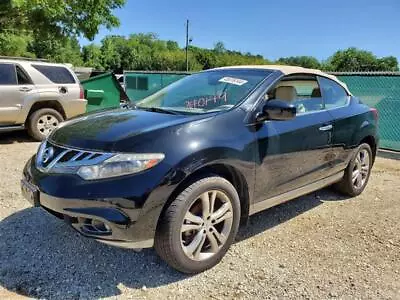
(120, 164)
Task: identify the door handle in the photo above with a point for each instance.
(326, 127)
(25, 89)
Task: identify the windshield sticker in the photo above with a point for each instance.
(235, 81)
(206, 101)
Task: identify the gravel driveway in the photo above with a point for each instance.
(319, 246)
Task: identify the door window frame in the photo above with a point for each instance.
(323, 97)
(15, 74)
(275, 81)
(18, 66)
(279, 80)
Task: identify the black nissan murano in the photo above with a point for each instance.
(181, 169)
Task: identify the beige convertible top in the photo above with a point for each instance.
(288, 70)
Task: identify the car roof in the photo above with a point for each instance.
(31, 61)
(289, 70)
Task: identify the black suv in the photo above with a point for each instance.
(180, 169)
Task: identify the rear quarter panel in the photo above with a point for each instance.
(352, 124)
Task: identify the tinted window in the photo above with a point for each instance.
(22, 77)
(334, 95)
(7, 74)
(55, 74)
(305, 94)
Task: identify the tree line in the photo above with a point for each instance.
(49, 30)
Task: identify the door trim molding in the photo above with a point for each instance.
(270, 202)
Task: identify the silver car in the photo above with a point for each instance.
(37, 95)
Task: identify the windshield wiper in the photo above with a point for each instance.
(157, 109)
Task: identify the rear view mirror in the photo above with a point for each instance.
(277, 110)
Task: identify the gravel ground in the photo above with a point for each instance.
(320, 246)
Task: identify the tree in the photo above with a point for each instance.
(58, 50)
(353, 59)
(15, 44)
(48, 29)
(301, 61)
(92, 56)
(389, 63)
(206, 58)
(65, 17)
(219, 47)
(111, 58)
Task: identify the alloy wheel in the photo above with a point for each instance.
(361, 169)
(206, 225)
(46, 124)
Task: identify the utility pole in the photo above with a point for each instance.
(187, 45)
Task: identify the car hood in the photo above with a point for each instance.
(110, 130)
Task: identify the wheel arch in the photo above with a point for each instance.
(371, 141)
(230, 173)
(54, 104)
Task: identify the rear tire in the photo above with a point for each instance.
(42, 122)
(198, 227)
(357, 173)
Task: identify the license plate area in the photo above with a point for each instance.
(30, 192)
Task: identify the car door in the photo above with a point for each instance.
(295, 152)
(347, 120)
(15, 87)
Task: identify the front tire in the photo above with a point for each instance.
(42, 122)
(198, 227)
(357, 173)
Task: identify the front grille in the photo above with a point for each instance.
(61, 159)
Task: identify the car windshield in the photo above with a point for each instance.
(205, 92)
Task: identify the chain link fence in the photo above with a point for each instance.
(382, 91)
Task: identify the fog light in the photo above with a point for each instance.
(100, 226)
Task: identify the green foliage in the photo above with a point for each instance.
(15, 44)
(353, 59)
(388, 63)
(49, 28)
(92, 56)
(58, 50)
(219, 47)
(301, 61)
(64, 17)
(147, 52)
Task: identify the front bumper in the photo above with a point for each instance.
(122, 211)
(101, 220)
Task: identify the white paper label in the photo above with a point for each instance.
(231, 80)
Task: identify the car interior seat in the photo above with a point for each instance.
(316, 93)
(286, 93)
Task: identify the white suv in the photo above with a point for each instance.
(37, 95)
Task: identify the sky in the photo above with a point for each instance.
(271, 28)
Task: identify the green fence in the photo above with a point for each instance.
(140, 84)
(382, 91)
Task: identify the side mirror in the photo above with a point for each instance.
(276, 110)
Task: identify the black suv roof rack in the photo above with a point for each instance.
(24, 58)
